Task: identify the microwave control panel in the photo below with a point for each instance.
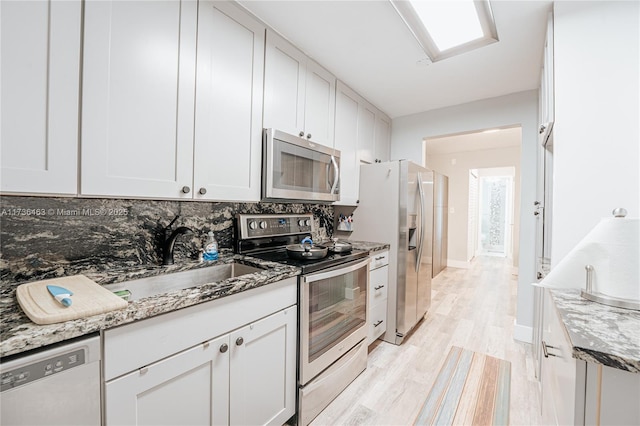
(256, 226)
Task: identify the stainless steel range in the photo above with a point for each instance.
(332, 295)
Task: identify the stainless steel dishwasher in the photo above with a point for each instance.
(56, 386)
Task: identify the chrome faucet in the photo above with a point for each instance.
(169, 243)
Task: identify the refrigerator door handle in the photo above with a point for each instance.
(422, 222)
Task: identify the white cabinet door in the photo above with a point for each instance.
(284, 90)
(366, 132)
(346, 141)
(382, 137)
(299, 95)
(188, 388)
(263, 370)
(320, 104)
(228, 115)
(40, 83)
(138, 97)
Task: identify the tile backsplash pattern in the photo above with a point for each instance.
(47, 237)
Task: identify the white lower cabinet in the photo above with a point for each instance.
(246, 376)
(191, 387)
(578, 392)
(262, 370)
(377, 303)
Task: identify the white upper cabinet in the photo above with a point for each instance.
(138, 97)
(40, 84)
(299, 95)
(382, 137)
(362, 134)
(346, 140)
(320, 104)
(546, 100)
(157, 125)
(228, 117)
(366, 131)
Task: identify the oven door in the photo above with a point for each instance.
(333, 306)
(297, 169)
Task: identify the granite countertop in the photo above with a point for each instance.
(369, 246)
(599, 333)
(19, 334)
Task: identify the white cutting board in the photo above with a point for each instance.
(89, 298)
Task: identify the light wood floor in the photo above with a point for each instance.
(471, 308)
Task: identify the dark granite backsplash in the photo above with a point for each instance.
(51, 237)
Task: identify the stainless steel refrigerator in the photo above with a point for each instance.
(396, 207)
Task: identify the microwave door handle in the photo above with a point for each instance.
(336, 175)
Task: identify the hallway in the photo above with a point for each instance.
(471, 308)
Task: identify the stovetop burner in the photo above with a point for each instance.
(266, 237)
(311, 265)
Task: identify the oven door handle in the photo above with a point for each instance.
(335, 272)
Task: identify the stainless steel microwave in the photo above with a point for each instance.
(295, 168)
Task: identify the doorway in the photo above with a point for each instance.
(495, 211)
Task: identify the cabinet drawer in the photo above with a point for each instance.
(379, 259)
(378, 284)
(377, 321)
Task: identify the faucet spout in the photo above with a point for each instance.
(167, 248)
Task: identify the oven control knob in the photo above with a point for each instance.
(301, 222)
(263, 224)
(253, 225)
(307, 222)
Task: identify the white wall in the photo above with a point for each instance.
(515, 109)
(459, 193)
(596, 130)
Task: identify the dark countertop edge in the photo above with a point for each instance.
(29, 336)
(608, 359)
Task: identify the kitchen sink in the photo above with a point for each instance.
(153, 286)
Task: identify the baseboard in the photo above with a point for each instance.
(457, 264)
(522, 333)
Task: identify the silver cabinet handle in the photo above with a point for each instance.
(546, 352)
(378, 287)
(536, 213)
(379, 257)
(224, 347)
(301, 134)
(239, 341)
(202, 191)
(377, 323)
(308, 135)
(186, 189)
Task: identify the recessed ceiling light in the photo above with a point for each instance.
(447, 28)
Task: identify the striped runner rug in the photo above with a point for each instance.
(471, 389)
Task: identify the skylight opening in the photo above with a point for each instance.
(447, 28)
(450, 23)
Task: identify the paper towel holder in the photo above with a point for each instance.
(603, 299)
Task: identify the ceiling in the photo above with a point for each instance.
(366, 45)
(502, 138)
